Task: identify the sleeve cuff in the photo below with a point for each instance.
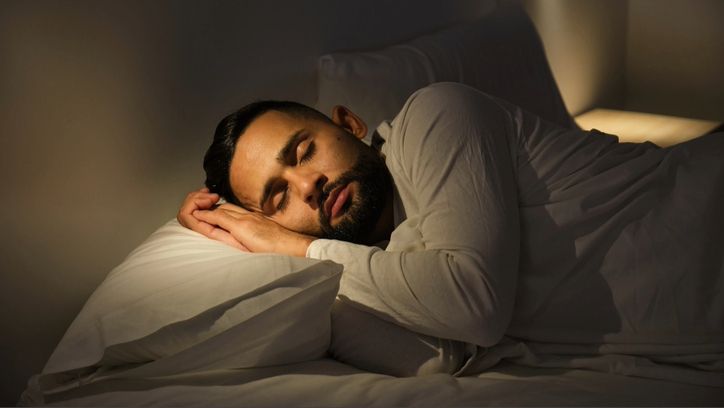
(315, 250)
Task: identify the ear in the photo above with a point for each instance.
(345, 118)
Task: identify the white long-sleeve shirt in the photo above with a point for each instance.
(449, 269)
(509, 225)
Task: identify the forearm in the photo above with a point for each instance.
(299, 246)
(433, 292)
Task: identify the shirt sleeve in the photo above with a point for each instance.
(452, 148)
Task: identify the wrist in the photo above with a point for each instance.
(297, 245)
(303, 245)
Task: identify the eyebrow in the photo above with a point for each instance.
(282, 158)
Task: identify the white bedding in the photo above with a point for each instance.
(327, 383)
(181, 302)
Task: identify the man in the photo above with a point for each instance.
(499, 223)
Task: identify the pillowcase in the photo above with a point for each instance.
(500, 54)
(181, 302)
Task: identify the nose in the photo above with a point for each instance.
(308, 184)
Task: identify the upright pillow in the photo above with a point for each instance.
(500, 54)
(181, 302)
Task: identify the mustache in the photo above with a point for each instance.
(330, 186)
(356, 173)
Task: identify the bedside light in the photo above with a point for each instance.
(639, 127)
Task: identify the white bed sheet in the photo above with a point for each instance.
(326, 383)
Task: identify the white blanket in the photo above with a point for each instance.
(622, 255)
(613, 261)
(327, 383)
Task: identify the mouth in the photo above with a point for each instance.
(336, 201)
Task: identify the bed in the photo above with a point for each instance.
(185, 321)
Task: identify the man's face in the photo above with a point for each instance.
(310, 176)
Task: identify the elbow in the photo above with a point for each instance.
(479, 321)
(486, 300)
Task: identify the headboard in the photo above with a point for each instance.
(500, 54)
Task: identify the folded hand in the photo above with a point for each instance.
(204, 200)
(238, 227)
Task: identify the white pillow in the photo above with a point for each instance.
(500, 54)
(181, 302)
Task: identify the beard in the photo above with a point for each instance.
(362, 212)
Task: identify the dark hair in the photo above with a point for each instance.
(218, 157)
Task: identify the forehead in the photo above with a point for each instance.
(254, 159)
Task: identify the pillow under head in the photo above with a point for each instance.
(181, 302)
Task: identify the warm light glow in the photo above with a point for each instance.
(639, 127)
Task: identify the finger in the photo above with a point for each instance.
(184, 215)
(232, 207)
(199, 194)
(233, 214)
(221, 218)
(204, 203)
(224, 236)
(204, 228)
(199, 200)
(218, 234)
(208, 230)
(195, 199)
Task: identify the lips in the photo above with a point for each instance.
(336, 200)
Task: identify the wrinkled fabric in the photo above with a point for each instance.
(565, 241)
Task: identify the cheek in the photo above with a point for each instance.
(340, 156)
(300, 218)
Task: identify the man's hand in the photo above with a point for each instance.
(204, 200)
(253, 230)
(235, 226)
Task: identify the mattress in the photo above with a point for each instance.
(326, 382)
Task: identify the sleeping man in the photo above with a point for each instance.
(468, 219)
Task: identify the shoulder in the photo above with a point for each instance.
(445, 113)
(442, 96)
(446, 104)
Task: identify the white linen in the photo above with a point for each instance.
(181, 302)
(327, 383)
(618, 250)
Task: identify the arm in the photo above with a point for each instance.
(204, 200)
(235, 226)
(450, 154)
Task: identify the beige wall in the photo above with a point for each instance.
(658, 56)
(106, 108)
(675, 57)
(585, 44)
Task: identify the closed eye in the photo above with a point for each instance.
(309, 153)
(284, 200)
